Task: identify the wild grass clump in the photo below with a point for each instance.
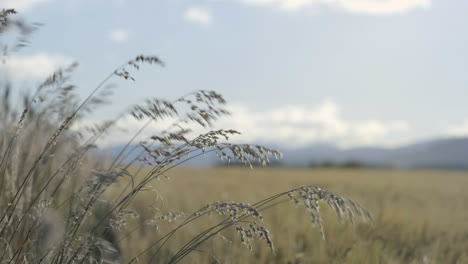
(54, 192)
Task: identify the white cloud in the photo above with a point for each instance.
(298, 125)
(198, 15)
(375, 132)
(21, 5)
(294, 126)
(460, 130)
(383, 6)
(36, 66)
(118, 35)
(376, 7)
(284, 4)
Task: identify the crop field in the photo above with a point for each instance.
(420, 216)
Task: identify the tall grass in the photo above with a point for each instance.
(58, 200)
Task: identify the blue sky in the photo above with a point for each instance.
(352, 72)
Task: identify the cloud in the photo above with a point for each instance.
(375, 132)
(383, 6)
(21, 5)
(284, 4)
(118, 35)
(198, 15)
(374, 7)
(294, 126)
(460, 130)
(37, 66)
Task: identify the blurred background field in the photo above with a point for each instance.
(420, 216)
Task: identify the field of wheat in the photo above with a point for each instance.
(420, 216)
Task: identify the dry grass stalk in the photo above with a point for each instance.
(48, 179)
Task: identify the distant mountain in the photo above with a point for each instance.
(445, 153)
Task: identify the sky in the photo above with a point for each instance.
(294, 72)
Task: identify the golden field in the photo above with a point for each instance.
(420, 216)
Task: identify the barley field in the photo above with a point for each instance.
(420, 216)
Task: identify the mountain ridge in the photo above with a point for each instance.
(439, 153)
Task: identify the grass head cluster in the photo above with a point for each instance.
(60, 203)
